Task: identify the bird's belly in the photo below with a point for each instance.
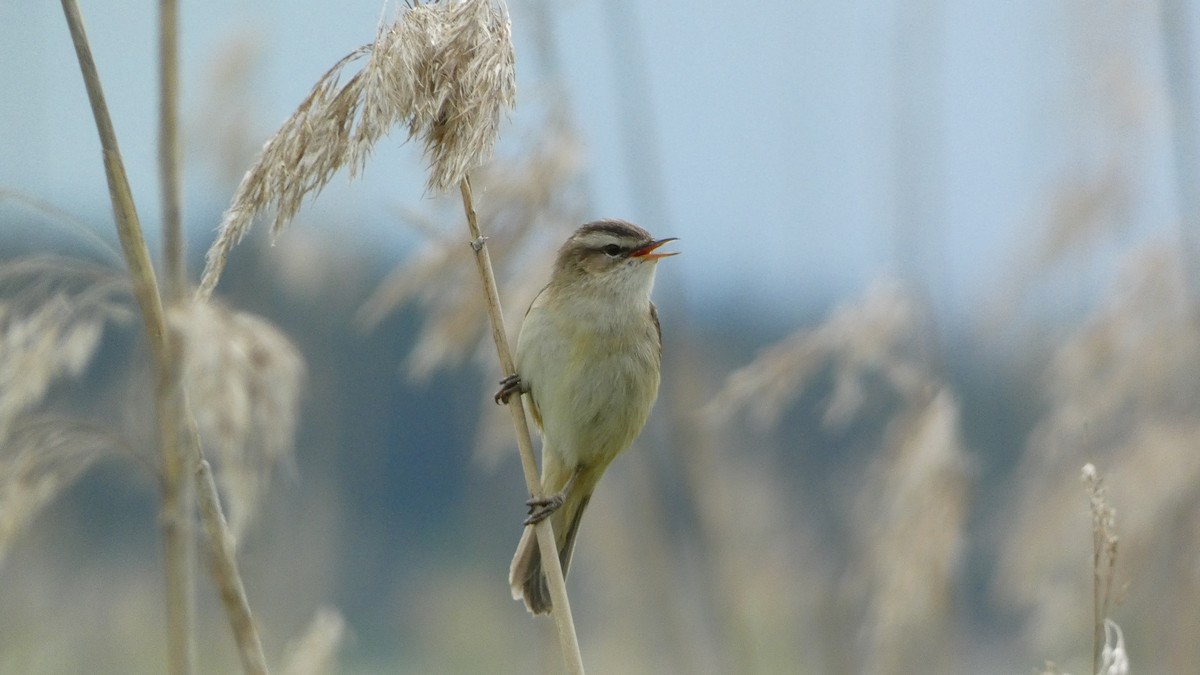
(594, 399)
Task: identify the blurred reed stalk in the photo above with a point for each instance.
(1185, 147)
(225, 570)
(177, 431)
(444, 71)
(168, 148)
(178, 496)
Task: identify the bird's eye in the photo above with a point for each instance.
(612, 250)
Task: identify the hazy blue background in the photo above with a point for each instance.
(800, 150)
(772, 124)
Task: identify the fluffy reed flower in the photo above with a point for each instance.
(42, 456)
(1122, 392)
(918, 492)
(875, 335)
(243, 378)
(917, 487)
(50, 325)
(445, 70)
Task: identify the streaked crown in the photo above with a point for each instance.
(605, 245)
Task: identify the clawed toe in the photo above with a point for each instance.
(540, 509)
(508, 386)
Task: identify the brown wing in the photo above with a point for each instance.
(657, 326)
(533, 407)
(533, 410)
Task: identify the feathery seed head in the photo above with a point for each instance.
(42, 456)
(243, 378)
(50, 326)
(446, 70)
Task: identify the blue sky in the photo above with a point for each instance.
(774, 124)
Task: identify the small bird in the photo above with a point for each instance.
(588, 357)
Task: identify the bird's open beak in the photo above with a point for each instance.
(648, 253)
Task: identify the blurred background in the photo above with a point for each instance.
(936, 257)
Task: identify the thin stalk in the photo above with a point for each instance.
(178, 494)
(175, 516)
(129, 230)
(179, 445)
(1185, 146)
(177, 510)
(567, 639)
(225, 572)
(168, 149)
(1098, 609)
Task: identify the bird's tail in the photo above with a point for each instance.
(525, 574)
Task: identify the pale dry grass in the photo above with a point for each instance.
(444, 70)
(42, 456)
(913, 519)
(1104, 564)
(878, 335)
(1122, 392)
(911, 505)
(1109, 655)
(1108, 113)
(52, 314)
(760, 568)
(243, 378)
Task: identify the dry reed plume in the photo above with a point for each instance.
(43, 455)
(183, 470)
(1110, 105)
(444, 70)
(52, 314)
(916, 487)
(915, 507)
(1108, 642)
(1109, 656)
(1123, 391)
(52, 317)
(243, 378)
(876, 336)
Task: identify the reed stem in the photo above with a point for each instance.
(567, 638)
(179, 445)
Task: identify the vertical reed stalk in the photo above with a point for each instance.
(178, 496)
(168, 149)
(180, 649)
(1104, 561)
(545, 533)
(229, 582)
(1185, 144)
(178, 445)
(1098, 612)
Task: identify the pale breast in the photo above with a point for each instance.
(594, 390)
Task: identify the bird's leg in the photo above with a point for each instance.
(508, 386)
(540, 509)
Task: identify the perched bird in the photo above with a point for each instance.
(588, 358)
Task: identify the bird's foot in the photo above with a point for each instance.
(541, 508)
(508, 386)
